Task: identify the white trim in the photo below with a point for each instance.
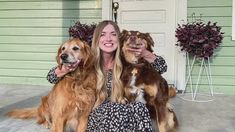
(233, 21)
(106, 9)
(180, 57)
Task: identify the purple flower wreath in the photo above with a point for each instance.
(82, 31)
(199, 39)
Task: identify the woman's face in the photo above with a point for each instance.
(108, 42)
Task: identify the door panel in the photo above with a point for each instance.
(156, 17)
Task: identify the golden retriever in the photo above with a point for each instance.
(69, 103)
(143, 83)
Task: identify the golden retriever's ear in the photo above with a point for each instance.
(150, 42)
(89, 57)
(58, 57)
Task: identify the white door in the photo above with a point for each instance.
(159, 18)
(156, 17)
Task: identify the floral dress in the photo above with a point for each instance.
(116, 117)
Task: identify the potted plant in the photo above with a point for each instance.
(82, 31)
(198, 38)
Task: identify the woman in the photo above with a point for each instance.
(110, 113)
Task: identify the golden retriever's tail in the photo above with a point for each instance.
(26, 113)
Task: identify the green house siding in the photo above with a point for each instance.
(222, 64)
(32, 30)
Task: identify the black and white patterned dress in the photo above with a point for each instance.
(115, 117)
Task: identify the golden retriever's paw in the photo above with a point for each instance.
(46, 125)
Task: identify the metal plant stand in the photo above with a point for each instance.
(204, 65)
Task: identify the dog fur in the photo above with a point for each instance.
(69, 103)
(144, 84)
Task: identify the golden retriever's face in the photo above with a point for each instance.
(134, 39)
(72, 52)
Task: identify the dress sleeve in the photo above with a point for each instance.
(52, 77)
(159, 65)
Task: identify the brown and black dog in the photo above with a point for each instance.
(143, 83)
(69, 103)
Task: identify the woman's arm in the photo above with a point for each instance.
(157, 62)
(52, 76)
(56, 73)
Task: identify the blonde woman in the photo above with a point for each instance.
(111, 114)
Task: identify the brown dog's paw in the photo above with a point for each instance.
(172, 91)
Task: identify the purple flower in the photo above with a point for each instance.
(82, 31)
(198, 38)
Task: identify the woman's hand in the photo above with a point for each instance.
(60, 72)
(142, 52)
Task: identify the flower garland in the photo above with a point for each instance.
(199, 39)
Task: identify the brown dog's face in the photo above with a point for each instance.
(134, 39)
(72, 52)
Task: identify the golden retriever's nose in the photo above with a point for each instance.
(64, 56)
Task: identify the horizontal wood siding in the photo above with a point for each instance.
(31, 32)
(222, 64)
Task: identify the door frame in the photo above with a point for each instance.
(180, 57)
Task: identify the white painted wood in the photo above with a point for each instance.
(160, 19)
(180, 57)
(233, 21)
(106, 9)
(157, 18)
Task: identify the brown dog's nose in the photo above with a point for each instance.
(132, 38)
(64, 56)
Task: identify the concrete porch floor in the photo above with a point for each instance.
(213, 116)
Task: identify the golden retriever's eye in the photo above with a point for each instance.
(75, 48)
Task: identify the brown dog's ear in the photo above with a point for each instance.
(150, 42)
(58, 57)
(122, 36)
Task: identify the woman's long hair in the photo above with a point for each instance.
(117, 86)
